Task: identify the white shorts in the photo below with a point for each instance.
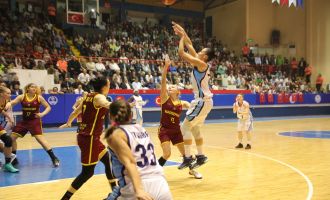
(157, 187)
(245, 125)
(198, 111)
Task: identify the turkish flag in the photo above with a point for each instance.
(75, 18)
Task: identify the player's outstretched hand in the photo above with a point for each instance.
(65, 126)
(142, 195)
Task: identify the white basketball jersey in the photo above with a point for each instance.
(143, 151)
(242, 108)
(138, 102)
(200, 83)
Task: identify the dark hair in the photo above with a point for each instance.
(210, 54)
(98, 83)
(120, 112)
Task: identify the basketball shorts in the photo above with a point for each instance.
(92, 149)
(170, 135)
(2, 130)
(198, 111)
(33, 126)
(245, 125)
(156, 186)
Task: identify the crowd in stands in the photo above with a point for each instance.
(131, 55)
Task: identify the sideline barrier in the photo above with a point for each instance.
(62, 104)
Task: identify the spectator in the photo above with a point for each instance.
(84, 78)
(52, 13)
(66, 83)
(79, 90)
(93, 17)
(136, 84)
(62, 66)
(319, 82)
(245, 50)
(114, 66)
(99, 66)
(308, 73)
(294, 69)
(55, 91)
(90, 65)
(74, 67)
(126, 84)
(301, 67)
(16, 90)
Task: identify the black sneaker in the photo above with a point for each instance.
(187, 161)
(248, 146)
(240, 145)
(201, 160)
(14, 162)
(56, 162)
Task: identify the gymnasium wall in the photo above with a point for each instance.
(263, 16)
(318, 37)
(229, 23)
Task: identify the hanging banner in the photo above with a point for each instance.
(284, 2)
(75, 18)
(300, 3)
(276, 1)
(293, 2)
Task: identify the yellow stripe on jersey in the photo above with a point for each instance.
(90, 150)
(97, 113)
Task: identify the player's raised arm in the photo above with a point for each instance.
(187, 41)
(195, 62)
(118, 143)
(163, 90)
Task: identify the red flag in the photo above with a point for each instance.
(284, 2)
(75, 18)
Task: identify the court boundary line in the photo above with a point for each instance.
(292, 137)
(308, 181)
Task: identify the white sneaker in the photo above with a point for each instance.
(12, 157)
(196, 174)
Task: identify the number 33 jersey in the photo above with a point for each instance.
(142, 149)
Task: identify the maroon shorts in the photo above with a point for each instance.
(34, 126)
(167, 135)
(2, 130)
(91, 149)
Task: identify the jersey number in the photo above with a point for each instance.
(84, 108)
(28, 114)
(172, 120)
(145, 160)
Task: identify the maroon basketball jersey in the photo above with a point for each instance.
(92, 117)
(30, 107)
(170, 117)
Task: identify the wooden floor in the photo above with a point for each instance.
(277, 167)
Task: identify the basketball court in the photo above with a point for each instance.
(289, 160)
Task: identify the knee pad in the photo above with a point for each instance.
(6, 139)
(186, 130)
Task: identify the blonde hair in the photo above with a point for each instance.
(26, 88)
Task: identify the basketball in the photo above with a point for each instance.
(168, 2)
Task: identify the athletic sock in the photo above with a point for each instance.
(113, 182)
(8, 160)
(51, 154)
(162, 161)
(67, 195)
(14, 152)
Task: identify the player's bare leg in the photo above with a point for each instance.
(240, 140)
(44, 143)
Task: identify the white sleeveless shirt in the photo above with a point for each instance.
(200, 83)
(142, 149)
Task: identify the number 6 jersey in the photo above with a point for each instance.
(142, 150)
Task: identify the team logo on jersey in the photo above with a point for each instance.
(52, 100)
(318, 98)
